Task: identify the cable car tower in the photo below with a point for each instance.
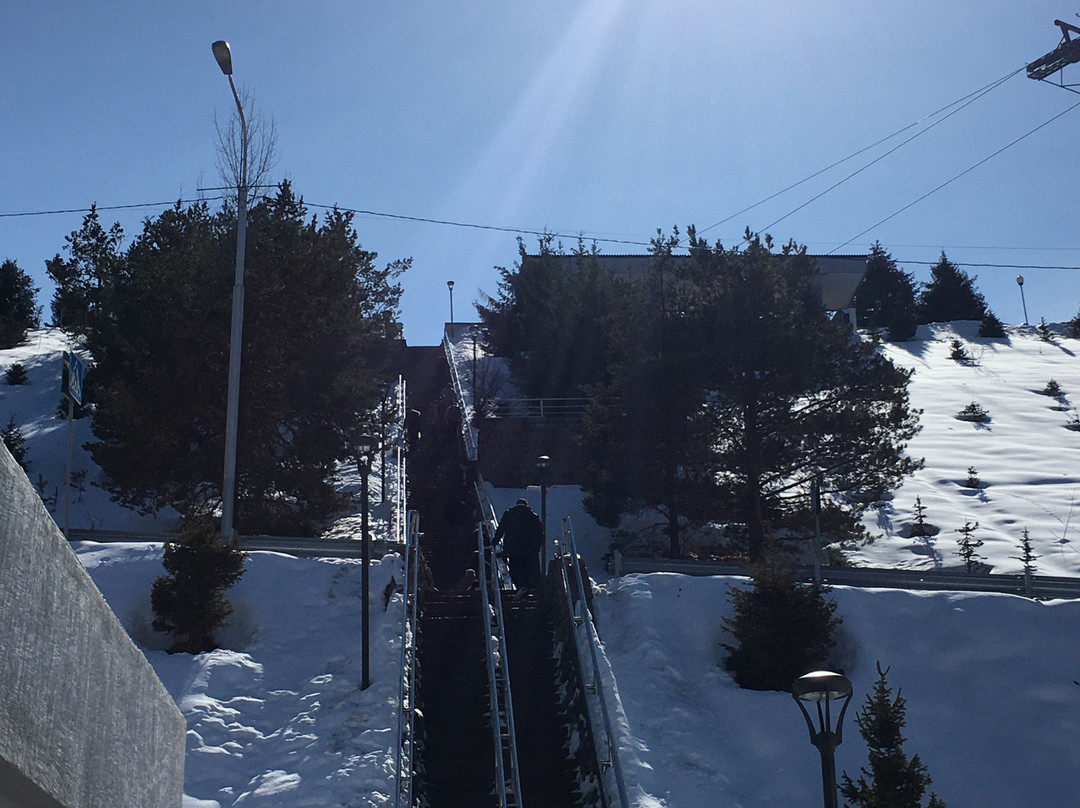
(1065, 54)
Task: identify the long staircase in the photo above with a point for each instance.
(458, 764)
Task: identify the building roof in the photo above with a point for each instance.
(838, 275)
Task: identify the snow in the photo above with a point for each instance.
(990, 680)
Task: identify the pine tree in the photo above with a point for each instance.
(15, 442)
(319, 321)
(83, 279)
(950, 295)
(16, 375)
(969, 545)
(919, 527)
(891, 779)
(1073, 328)
(885, 297)
(18, 304)
(190, 601)
(1044, 331)
(782, 628)
(991, 326)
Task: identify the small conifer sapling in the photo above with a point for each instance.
(969, 546)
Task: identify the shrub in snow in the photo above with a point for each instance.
(958, 352)
(190, 601)
(972, 480)
(1053, 389)
(782, 628)
(1074, 421)
(973, 412)
(890, 778)
(1045, 334)
(16, 375)
(991, 326)
(15, 442)
(1073, 328)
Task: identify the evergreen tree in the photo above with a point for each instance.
(551, 305)
(318, 323)
(991, 326)
(790, 394)
(16, 375)
(782, 628)
(919, 526)
(190, 601)
(15, 442)
(83, 279)
(19, 311)
(969, 546)
(892, 779)
(647, 436)
(885, 297)
(950, 295)
(1044, 331)
(1027, 553)
(1073, 328)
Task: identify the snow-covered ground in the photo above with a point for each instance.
(991, 680)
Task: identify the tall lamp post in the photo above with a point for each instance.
(365, 446)
(450, 286)
(1020, 283)
(823, 688)
(228, 489)
(542, 463)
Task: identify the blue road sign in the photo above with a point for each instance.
(76, 372)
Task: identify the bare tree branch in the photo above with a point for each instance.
(261, 147)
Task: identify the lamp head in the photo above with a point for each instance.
(543, 461)
(223, 56)
(1019, 280)
(365, 446)
(450, 285)
(821, 686)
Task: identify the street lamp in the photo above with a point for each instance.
(364, 447)
(1020, 283)
(450, 286)
(823, 688)
(542, 463)
(232, 416)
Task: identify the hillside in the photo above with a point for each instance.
(991, 680)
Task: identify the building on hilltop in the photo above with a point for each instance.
(838, 275)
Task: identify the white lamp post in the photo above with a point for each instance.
(228, 488)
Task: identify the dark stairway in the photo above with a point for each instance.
(457, 758)
(548, 778)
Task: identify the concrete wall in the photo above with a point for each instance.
(84, 721)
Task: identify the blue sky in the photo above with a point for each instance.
(610, 118)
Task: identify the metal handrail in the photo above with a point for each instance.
(407, 534)
(405, 753)
(499, 692)
(468, 431)
(584, 630)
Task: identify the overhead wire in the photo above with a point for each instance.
(953, 179)
(974, 96)
(967, 100)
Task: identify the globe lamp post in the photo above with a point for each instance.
(823, 689)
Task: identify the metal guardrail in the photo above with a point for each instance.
(586, 638)
(1041, 586)
(538, 407)
(405, 755)
(468, 431)
(504, 735)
